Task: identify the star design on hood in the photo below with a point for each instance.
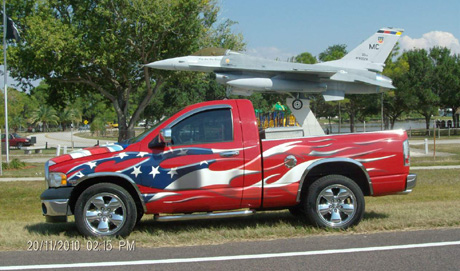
(122, 155)
(154, 172)
(172, 172)
(136, 171)
(142, 154)
(91, 164)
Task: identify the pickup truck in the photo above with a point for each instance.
(15, 140)
(211, 161)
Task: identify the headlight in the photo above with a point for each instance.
(56, 179)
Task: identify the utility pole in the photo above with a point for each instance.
(5, 85)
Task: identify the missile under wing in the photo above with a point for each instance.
(359, 72)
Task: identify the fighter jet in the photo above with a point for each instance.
(358, 72)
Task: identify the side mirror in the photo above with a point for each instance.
(165, 136)
(162, 139)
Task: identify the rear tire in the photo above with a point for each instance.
(105, 209)
(334, 201)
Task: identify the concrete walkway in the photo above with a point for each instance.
(22, 179)
(436, 167)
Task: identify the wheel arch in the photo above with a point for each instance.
(114, 178)
(338, 166)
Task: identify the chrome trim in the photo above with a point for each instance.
(198, 110)
(290, 161)
(203, 216)
(47, 169)
(333, 160)
(165, 136)
(411, 181)
(229, 153)
(57, 207)
(114, 174)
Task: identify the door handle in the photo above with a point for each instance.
(229, 153)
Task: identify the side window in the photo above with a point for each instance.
(205, 127)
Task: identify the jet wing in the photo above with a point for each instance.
(247, 63)
(378, 80)
(383, 84)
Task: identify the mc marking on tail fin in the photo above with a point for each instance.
(375, 49)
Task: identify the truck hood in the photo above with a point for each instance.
(87, 152)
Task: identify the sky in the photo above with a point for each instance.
(276, 29)
(282, 29)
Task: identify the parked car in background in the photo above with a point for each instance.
(15, 140)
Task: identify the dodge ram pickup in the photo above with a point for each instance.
(211, 161)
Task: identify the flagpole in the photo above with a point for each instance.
(5, 85)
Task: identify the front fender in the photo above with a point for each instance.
(112, 177)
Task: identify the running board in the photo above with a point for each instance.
(203, 216)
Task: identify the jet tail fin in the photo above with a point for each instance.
(372, 53)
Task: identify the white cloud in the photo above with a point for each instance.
(271, 53)
(431, 39)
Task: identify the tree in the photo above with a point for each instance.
(45, 115)
(18, 108)
(333, 52)
(446, 80)
(102, 44)
(69, 115)
(399, 100)
(305, 58)
(419, 80)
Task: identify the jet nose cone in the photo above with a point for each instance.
(166, 64)
(172, 64)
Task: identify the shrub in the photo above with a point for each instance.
(14, 164)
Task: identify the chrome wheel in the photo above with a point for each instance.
(104, 214)
(336, 205)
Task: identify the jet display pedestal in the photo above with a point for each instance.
(306, 118)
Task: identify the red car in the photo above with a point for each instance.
(15, 140)
(210, 161)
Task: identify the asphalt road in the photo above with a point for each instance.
(411, 250)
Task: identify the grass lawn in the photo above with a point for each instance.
(31, 170)
(432, 204)
(453, 159)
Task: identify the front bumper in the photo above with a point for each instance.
(411, 181)
(55, 204)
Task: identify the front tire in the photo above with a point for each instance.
(334, 201)
(105, 209)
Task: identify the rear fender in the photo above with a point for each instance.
(342, 166)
